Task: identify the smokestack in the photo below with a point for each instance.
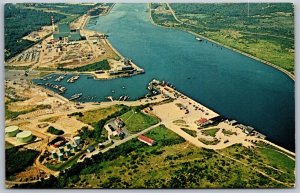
(52, 21)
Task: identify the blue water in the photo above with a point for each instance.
(233, 85)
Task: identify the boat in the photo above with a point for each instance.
(75, 96)
(113, 91)
(125, 98)
(121, 98)
(60, 78)
(123, 87)
(62, 89)
(73, 79)
(110, 98)
(199, 39)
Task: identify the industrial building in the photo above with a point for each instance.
(64, 33)
(11, 131)
(146, 140)
(24, 136)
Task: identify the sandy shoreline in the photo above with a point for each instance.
(292, 76)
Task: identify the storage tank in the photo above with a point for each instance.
(54, 154)
(11, 131)
(77, 140)
(24, 136)
(61, 157)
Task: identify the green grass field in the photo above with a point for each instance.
(90, 117)
(209, 142)
(228, 133)
(211, 132)
(101, 65)
(270, 161)
(136, 121)
(190, 132)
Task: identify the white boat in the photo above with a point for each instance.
(199, 39)
(75, 96)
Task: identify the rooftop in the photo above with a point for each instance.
(146, 139)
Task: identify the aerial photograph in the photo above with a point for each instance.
(149, 95)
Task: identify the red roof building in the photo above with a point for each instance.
(146, 140)
(203, 121)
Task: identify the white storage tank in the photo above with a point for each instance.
(77, 140)
(11, 131)
(24, 136)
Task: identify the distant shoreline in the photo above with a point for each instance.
(292, 76)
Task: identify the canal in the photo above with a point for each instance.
(231, 84)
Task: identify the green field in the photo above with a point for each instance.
(101, 65)
(267, 32)
(209, 142)
(14, 114)
(55, 131)
(228, 133)
(211, 132)
(137, 121)
(190, 132)
(90, 117)
(270, 161)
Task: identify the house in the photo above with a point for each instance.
(242, 127)
(233, 122)
(119, 123)
(90, 149)
(146, 140)
(118, 132)
(203, 121)
(259, 135)
(249, 130)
